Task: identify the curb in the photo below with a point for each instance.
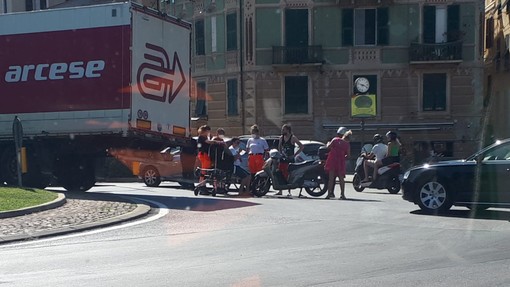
(140, 211)
(58, 202)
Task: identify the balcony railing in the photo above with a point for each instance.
(441, 52)
(297, 55)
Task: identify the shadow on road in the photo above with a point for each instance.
(200, 203)
(474, 214)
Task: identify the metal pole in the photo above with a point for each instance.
(17, 132)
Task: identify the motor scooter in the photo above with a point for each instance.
(388, 175)
(309, 175)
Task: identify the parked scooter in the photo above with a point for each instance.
(388, 176)
(309, 175)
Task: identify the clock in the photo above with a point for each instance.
(362, 84)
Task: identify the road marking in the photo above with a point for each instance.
(163, 210)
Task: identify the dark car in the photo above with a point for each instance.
(479, 181)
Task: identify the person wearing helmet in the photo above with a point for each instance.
(394, 147)
(375, 157)
(339, 150)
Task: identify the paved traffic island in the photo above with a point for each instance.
(78, 212)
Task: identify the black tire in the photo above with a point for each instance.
(434, 197)
(8, 166)
(151, 177)
(260, 186)
(9, 171)
(356, 183)
(320, 190)
(394, 186)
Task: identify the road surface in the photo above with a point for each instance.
(373, 239)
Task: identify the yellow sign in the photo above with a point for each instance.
(363, 106)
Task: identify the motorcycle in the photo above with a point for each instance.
(309, 175)
(388, 175)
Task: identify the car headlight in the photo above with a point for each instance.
(406, 175)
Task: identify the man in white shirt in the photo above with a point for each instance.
(374, 159)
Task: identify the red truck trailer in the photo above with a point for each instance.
(86, 79)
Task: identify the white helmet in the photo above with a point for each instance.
(341, 130)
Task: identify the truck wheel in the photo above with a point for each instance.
(8, 167)
(151, 176)
(34, 178)
(77, 175)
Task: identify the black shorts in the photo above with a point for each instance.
(240, 172)
(389, 160)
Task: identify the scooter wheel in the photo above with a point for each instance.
(356, 183)
(260, 186)
(394, 186)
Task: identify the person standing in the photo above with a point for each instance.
(240, 172)
(204, 145)
(256, 148)
(287, 146)
(287, 143)
(339, 150)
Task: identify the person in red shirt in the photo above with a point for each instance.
(339, 150)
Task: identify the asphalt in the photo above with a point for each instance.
(71, 212)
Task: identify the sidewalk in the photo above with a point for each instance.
(81, 211)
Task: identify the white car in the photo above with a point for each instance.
(310, 150)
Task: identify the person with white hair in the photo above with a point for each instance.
(339, 150)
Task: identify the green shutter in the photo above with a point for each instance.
(232, 97)
(296, 95)
(199, 37)
(383, 34)
(232, 32)
(453, 23)
(347, 27)
(429, 24)
(434, 92)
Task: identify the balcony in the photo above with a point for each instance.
(450, 52)
(297, 55)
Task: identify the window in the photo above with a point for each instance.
(199, 37)
(232, 97)
(489, 35)
(434, 92)
(200, 107)
(43, 5)
(296, 95)
(29, 5)
(4, 5)
(363, 27)
(441, 24)
(231, 32)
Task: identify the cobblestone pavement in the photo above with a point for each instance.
(79, 209)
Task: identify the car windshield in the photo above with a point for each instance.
(490, 150)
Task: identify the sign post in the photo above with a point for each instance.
(17, 132)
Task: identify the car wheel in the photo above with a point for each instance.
(151, 176)
(356, 183)
(260, 186)
(321, 188)
(433, 197)
(394, 186)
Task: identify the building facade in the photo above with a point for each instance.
(411, 66)
(11, 6)
(497, 59)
